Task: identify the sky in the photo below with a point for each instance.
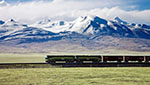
(134, 4)
(30, 11)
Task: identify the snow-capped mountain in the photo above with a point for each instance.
(85, 34)
(53, 26)
(96, 26)
(117, 19)
(14, 30)
(85, 26)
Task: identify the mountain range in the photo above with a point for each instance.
(85, 34)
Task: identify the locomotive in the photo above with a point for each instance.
(95, 59)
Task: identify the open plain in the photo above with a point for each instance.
(75, 76)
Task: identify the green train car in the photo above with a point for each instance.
(72, 59)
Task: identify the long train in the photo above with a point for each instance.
(80, 59)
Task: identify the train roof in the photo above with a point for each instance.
(99, 55)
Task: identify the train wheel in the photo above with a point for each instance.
(104, 61)
(140, 61)
(52, 62)
(79, 62)
(119, 61)
(126, 61)
(95, 62)
(146, 61)
(69, 62)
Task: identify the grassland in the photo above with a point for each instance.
(22, 58)
(75, 76)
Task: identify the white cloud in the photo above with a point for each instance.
(69, 10)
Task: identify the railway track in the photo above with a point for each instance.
(46, 65)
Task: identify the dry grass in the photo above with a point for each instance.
(22, 58)
(75, 76)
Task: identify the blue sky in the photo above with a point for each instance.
(136, 11)
(124, 4)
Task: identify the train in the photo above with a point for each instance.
(95, 59)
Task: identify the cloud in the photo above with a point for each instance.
(70, 9)
(130, 16)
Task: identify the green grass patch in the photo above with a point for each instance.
(75, 76)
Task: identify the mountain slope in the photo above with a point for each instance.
(13, 30)
(96, 26)
(85, 34)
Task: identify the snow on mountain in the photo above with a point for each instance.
(82, 27)
(57, 26)
(117, 19)
(53, 26)
(14, 30)
(11, 24)
(3, 3)
(9, 27)
(85, 25)
(29, 33)
(47, 23)
(44, 21)
(90, 25)
(96, 26)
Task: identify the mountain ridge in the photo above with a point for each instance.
(90, 26)
(89, 33)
